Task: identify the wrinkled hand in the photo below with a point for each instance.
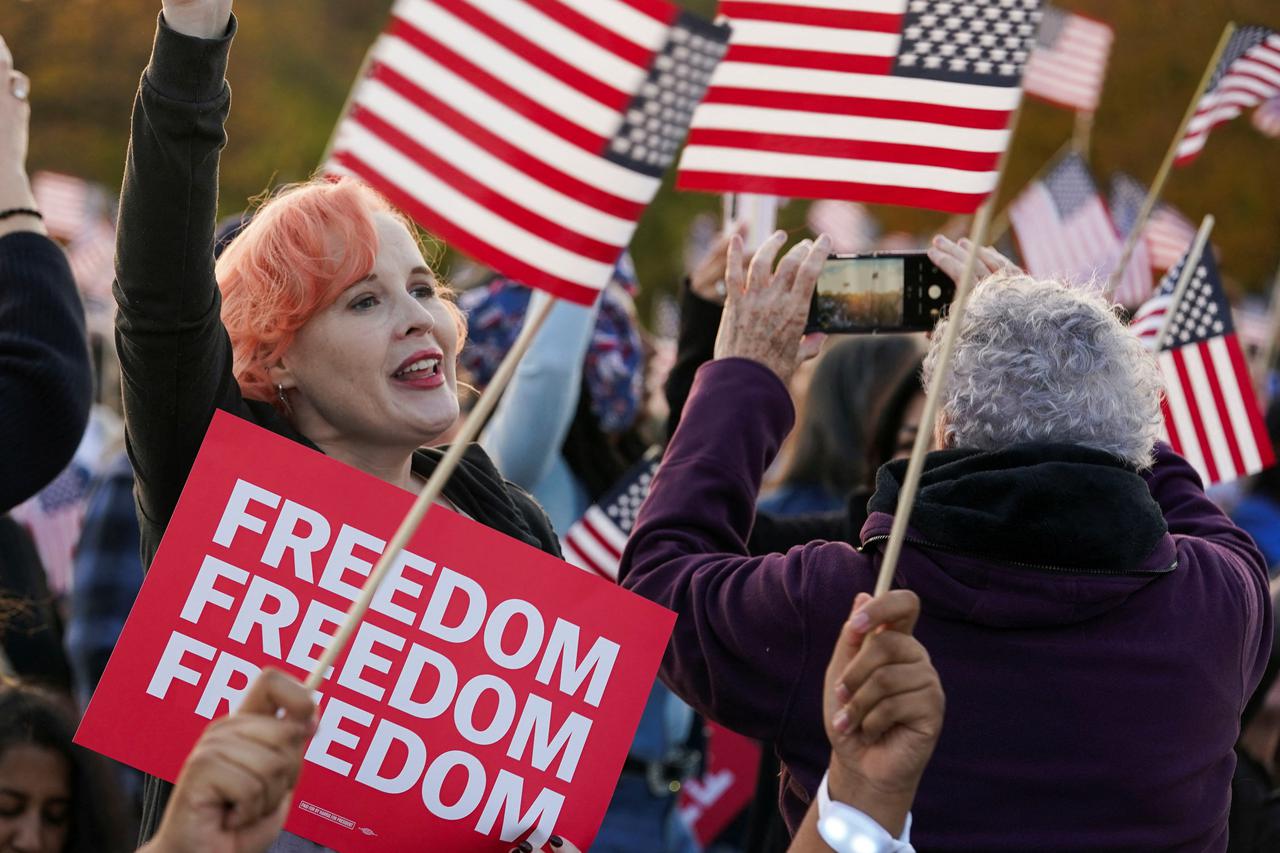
(883, 708)
(949, 256)
(235, 788)
(766, 309)
(206, 19)
(707, 280)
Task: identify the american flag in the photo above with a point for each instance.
(1065, 231)
(63, 201)
(1211, 413)
(1069, 62)
(530, 134)
(1247, 75)
(91, 255)
(886, 101)
(1168, 234)
(849, 224)
(594, 543)
(54, 517)
(1266, 118)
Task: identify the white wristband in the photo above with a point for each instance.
(848, 830)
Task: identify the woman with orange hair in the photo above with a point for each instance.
(321, 321)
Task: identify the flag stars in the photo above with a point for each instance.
(959, 64)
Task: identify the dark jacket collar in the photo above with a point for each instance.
(1052, 505)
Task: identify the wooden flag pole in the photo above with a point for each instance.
(978, 234)
(1082, 133)
(1184, 280)
(1157, 186)
(431, 491)
(955, 318)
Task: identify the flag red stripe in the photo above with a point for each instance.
(864, 107)
(583, 559)
(505, 151)
(593, 31)
(462, 239)
(853, 149)
(1220, 402)
(821, 60)
(531, 52)
(950, 202)
(1245, 381)
(1193, 411)
(499, 90)
(660, 10)
(845, 19)
(599, 537)
(1174, 441)
(485, 195)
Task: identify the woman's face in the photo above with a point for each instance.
(35, 800)
(906, 439)
(376, 368)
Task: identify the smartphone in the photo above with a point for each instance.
(879, 292)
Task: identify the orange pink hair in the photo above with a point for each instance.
(303, 247)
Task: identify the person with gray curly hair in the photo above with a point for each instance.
(1097, 623)
(1044, 361)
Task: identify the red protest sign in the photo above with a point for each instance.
(491, 691)
(711, 802)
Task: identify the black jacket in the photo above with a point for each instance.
(46, 384)
(174, 351)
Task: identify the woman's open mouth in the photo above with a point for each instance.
(421, 370)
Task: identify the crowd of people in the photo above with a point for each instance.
(1076, 653)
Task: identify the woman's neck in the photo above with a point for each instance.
(389, 465)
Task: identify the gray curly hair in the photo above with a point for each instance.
(1043, 361)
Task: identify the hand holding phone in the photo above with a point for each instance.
(879, 292)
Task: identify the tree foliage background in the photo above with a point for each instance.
(294, 61)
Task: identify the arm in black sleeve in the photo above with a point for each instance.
(174, 353)
(695, 345)
(46, 382)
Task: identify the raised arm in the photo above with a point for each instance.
(530, 424)
(45, 380)
(174, 353)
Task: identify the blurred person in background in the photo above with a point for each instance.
(53, 796)
(1254, 822)
(45, 381)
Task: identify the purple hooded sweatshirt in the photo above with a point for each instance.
(1097, 631)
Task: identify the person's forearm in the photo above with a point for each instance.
(887, 808)
(15, 194)
(695, 345)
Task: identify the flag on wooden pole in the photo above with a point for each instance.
(886, 101)
(530, 134)
(1167, 235)
(1065, 231)
(1211, 413)
(1247, 74)
(594, 542)
(1069, 61)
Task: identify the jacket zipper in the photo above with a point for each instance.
(1034, 566)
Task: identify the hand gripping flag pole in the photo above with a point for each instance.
(431, 491)
(1157, 185)
(955, 319)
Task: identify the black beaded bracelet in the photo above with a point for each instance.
(20, 211)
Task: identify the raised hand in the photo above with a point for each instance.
(949, 256)
(15, 118)
(883, 708)
(206, 19)
(708, 279)
(235, 788)
(766, 308)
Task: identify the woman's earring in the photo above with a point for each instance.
(284, 401)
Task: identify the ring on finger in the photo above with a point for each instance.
(19, 85)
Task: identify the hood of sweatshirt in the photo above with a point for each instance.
(1036, 534)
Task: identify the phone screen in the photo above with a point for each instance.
(860, 293)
